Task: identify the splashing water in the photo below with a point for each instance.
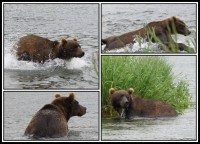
(11, 63)
(137, 47)
(145, 46)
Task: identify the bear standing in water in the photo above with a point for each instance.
(129, 106)
(38, 49)
(163, 30)
(52, 119)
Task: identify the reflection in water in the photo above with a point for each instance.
(43, 79)
(182, 127)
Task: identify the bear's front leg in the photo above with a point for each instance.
(182, 47)
(25, 57)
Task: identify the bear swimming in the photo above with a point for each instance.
(38, 49)
(163, 30)
(51, 120)
(129, 106)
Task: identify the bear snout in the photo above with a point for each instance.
(82, 111)
(82, 54)
(187, 33)
(124, 103)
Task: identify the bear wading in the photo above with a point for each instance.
(163, 30)
(52, 119)
(38, 49)
(128, 106)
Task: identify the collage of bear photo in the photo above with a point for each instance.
(99, 72)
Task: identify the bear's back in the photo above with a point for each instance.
(152, 108)
(48, 122)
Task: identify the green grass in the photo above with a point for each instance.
(173, 43)
(150, 36)
(150, 76)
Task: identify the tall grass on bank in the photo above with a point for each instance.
(150, 76)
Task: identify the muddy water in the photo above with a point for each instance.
(182, 127)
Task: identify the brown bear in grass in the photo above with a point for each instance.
(52, 119)
(163, 30)
(38, 49)
(129, 106)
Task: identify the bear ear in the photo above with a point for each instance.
(71, 96)
(57, 95)
(111, 91)
(174, 18)
(130, 91)
(55, 43)
(63, 41)
(74, 39)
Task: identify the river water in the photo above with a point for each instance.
(55, 21)
(121, 18)
(52, 21)
(20, 107)
(183, 127)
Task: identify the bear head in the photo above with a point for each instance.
(68, 49)
(179, 25)
(121, 100)
(69, 105)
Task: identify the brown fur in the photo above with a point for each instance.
(39, 49)
(52, 119)
(163, 30)
(129, 106)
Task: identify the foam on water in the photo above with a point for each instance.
(145, 46)
(137, 47)
(11, 63)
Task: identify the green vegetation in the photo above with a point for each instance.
(150, 76)
(173, 44)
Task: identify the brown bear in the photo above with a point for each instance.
(38, 49)
(51, 120)
(163, 30)
(129, 106)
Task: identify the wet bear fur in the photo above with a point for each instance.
(128, 106)
(38, 49)
(163, 30)
(52, 119)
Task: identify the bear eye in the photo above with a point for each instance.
(74, 48)
(76, 102)
(121, 96)
(128, 97)
(182, 25)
